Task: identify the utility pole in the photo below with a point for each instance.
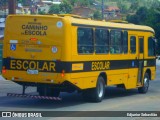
(31, 7)
(102, 9)
(12, 6)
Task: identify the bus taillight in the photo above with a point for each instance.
(4, 70)
(33, 39)
(63, 73)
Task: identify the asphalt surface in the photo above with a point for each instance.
(116, 99)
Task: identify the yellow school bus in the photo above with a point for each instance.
(67, 53)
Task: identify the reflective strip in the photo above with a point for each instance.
(33, 96)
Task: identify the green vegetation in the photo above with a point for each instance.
(143, 12)
(150, 17)
(42, 12)
(64, 8)
(3, 2)
(97, 15)
(54, 9)
(123, 7)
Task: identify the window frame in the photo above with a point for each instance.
(107, 30)
(124, 41)
(141, 45)
(92, 29)
(154, 47)
(121, 41)
(135, 44)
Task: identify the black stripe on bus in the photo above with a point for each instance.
(84, 25)
(67, 66)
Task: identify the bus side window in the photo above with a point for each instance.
(85, 40)
(133, 44)
(101, 41)
(115, 42)
(151, 47)
(125, 42)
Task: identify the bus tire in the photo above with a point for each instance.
(144, 88)
(95, 94)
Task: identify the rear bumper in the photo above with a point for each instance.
(66, 86)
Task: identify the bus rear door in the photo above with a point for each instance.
(140, 59)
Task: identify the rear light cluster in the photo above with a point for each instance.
(63, 73)
(33, 39)
(4, 70)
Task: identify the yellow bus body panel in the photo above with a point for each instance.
(49, 44)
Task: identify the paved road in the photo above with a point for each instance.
(115, 100)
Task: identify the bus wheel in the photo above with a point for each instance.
(144, 88)
(95, 94)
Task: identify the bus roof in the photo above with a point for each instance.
(110, 24)
(76, 20)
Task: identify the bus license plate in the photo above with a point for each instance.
(32, 72)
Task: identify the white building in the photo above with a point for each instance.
(2, 26)
(46, 5)
(52, 2)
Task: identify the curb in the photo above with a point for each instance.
(1, 78)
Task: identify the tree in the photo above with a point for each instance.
(134, 6)
(132, 19)
(41, 12)
(65, 7)
(122, 7)
(149, 17)
(3, 2)
(73, 2)
(54, 9)
(97, 15)
(20, 1)
(24, 2)
(91, 1)
(84, 3)
(140, 16)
